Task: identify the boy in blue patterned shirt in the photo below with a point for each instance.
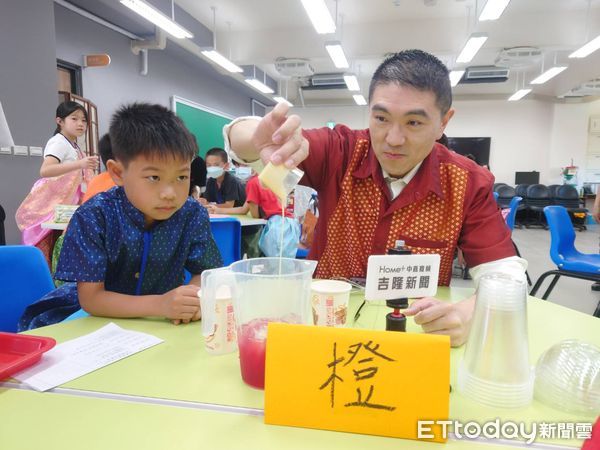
(126, 249)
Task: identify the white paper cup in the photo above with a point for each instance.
(329, 301)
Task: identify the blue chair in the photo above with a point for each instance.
(496, 195)
(570, 262)
(512, 215)
(227, 232)
(510, 223)
(24, 278)
(302, 253)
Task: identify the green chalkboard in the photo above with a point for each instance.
(204, 123)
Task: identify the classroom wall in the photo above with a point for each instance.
(109, 87)
(28, 95)
(520, 131)
(28, 84)
(569, 140)
(526, 135)
(315, 117)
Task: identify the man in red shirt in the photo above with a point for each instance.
(392, 182)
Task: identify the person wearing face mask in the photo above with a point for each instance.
(222, 188)
(242, 172)
(262, 203)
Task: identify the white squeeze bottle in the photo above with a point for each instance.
(218, 320)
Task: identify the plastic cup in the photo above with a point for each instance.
(329, 300)
(495, 368)
(568, 377)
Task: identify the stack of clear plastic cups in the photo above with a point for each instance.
(495, 368)
(567, 377)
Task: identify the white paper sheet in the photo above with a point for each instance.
(76, 357)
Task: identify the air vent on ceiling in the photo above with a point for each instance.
(519, 57)
(327, 81)
(591, 87)
(485, 74)
(294, 67)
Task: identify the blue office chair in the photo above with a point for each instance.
(571, 263)
(24, 278)
(496, 195)
(227, 232)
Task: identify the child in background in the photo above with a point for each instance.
(126, 249)
(222, 188)
(101, 182)
(62, 154)
(63, 175)
(262, 202)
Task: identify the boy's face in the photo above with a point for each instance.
(216, 161)
(157, 187)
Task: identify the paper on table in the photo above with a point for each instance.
(83, 355)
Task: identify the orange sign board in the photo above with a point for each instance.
(97, 60)
(356, 380)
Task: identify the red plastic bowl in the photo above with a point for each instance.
(19, 351)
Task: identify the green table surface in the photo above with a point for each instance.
(180, 368)
(49, 421)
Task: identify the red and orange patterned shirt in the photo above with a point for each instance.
(448, 204)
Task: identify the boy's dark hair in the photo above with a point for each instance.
(217, 151)
(105, 149)
(65, 109)
(147, 129)
(419, 70)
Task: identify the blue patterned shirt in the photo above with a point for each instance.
(106, 241)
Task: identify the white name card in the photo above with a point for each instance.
(401, 276)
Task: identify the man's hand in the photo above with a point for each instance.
(279, 138)
(438, 317)
(181, 304)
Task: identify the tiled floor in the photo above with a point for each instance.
(534, 245)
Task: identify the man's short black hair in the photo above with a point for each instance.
(147, 129)
(105, 149)
(217, 151)
(419, 70)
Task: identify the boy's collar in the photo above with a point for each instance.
(134, 214)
